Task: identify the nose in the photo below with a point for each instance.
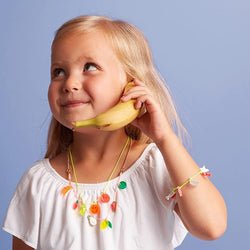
(72, 84)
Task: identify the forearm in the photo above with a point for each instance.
(18, 244)
(201, 207)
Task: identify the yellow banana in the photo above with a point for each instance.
(117, 117)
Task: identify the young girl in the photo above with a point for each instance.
(132, 188)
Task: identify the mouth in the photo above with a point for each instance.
(73, 103)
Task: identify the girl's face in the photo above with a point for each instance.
(86, 77)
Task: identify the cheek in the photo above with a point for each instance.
(123, 77)
(52, 96)
(107, 97)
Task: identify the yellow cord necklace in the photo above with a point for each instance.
(93, 209)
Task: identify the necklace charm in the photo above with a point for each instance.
(75, 205)
(65, 190)
(82, 210)
(93, 209)
(104, 198)
(92, 221)
(122, 185)
(105, 224)
(114, 206)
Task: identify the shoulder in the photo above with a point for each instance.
(37, 169)
(37, 182)
(149, 154)
(150, 171)
(34, 176)
(146, 158)
(23, 214)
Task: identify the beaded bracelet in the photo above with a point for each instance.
(203, 171)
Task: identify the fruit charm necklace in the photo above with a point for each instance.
(93, 209)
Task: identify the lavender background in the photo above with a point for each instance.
(202, 48)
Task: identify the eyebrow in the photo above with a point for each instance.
(87, 58)
(79, 59)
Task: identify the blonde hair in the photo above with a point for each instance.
(133, 51)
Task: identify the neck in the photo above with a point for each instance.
(97, 146)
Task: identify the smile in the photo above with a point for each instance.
(73, 104)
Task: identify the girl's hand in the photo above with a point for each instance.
(153, 122)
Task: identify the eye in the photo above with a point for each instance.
(90, 67)
(58, 72)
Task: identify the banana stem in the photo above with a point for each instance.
(84, 123)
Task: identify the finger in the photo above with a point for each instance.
(143, 110)
(135, 93)
(135, 86)
(139, 83)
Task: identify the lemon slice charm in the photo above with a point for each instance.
(105, 224)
